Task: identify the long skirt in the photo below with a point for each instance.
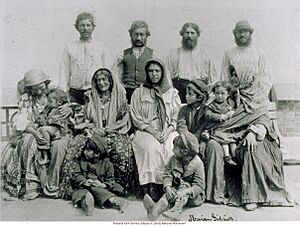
(21, 174)
(122, 157)
(258, 178)
(151, 156)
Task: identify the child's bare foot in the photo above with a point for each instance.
(119, 203)
(88, 204)
(229, 160)
(43, 161)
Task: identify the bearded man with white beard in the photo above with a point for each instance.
(189, 61)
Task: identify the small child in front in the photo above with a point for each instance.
(93, 179)
(183, 180)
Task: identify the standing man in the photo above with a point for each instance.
(130, 64)
(248, 61)
(189, 61)
(81, 59)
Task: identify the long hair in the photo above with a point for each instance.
(192, 25)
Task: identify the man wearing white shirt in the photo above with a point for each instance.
(247, 59)
(189, 62)
(130, 63)
(81, 59)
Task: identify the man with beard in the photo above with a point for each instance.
(246, 59)
(81, 59)
(130, 64)
(189, 61)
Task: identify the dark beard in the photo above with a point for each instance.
(186, 44)
(242, 43)
(139, 45)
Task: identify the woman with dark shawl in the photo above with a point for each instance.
(154, 110)
(258, 179)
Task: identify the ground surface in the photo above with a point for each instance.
(61, 210)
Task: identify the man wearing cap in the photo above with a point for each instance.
(130, 63)
(247, 60)
(189, 61)
(81, 59)
(191, 116)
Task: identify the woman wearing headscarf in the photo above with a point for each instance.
(108, 111)
(21, 172)
(258, 179)
(154, 109)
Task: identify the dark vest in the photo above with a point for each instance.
(134, 69)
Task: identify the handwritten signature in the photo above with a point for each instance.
(213, 217)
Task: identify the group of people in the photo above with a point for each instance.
(170, 132)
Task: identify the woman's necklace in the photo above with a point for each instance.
(105, 99)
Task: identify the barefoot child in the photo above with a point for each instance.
(93, 179)
(184, 180)
(56, 124)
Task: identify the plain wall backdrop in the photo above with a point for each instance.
(34, 33)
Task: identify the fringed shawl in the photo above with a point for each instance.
(118, 116)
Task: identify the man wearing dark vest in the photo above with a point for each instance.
(130, 64)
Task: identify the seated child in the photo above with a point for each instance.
(93, 179)
(56, 124)
(183, 180)
(219, 110)
(50, 124)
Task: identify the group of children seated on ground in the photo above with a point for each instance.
(93, 179)
(94, 184)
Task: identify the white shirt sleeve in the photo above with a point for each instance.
(117, 68)
(225, 68)
(64, 71)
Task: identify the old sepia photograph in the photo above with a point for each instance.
(150, 111)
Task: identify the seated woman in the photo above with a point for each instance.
(154, 110)
(21, 174)
(107, 110)
(258, 178)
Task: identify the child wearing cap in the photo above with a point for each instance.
(93, 179)
(183, 180)
(218, 111)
